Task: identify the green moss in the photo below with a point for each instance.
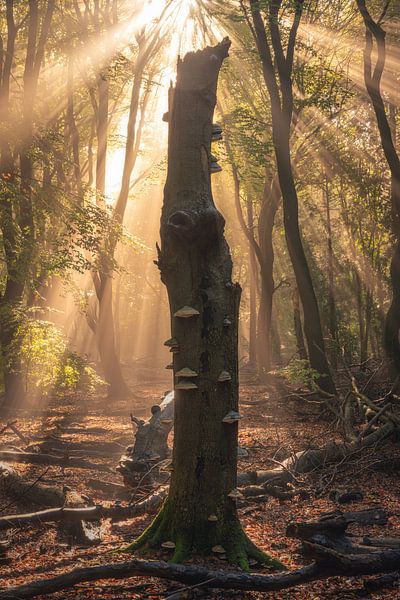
(230, 535)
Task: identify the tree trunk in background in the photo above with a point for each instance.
(252, 293)
(269, 207)
(196, 267)
(372, 78)
(333, 326)
(18, 248)
(104, 327)
(106, 324)
(281, 96)
(360, 312)
(298, 328)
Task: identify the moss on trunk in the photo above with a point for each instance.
(196, 267)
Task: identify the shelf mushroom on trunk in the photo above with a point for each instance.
(196, 267)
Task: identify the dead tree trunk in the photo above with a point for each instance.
(196, 267)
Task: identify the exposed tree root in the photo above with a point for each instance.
(228, 537)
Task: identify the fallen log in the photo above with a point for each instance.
(311, 459)
(384, 581)
(367, 563)
(336, 523)
(151, 445)
(334, 566)
(50, 459)
(90, 513)
(95, 448)
(326, 541)
(86, 532)
(15, 487)
(335, 555)
(116, 489)
(183, 574)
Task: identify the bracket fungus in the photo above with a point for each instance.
(232, 417)
(170, 366)
(212, 518)
(224, 376)
(171, 342)
(218, 549)
(235, 494)
(227, 322)
(169, 545)
(216, 128)
(186, 312)
(216, 132)
(214, 166)
(186, 372)
(186, 385)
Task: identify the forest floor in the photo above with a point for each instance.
(273, 428)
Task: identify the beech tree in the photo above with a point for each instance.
(199, 514)
(277, 70)
(375, 36)
(17, 209)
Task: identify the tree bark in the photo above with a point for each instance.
(298, 328)
(196, 267)
(374, 33)
(333, 326)
(269, 207)
(252, 292)
(281, 95)
(18, 252)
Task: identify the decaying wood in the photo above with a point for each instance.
(4, 545)
(66, 447)
(335, 554)
(384, 581)
(183, 574)
(116, 489)
(15, 486)
(210, 579)
(308, 460)
(49, 459)
(150, 444)
(81, 531)
(12, 425)
(337, 522)
(136, 460)
(326, 541)
(89, 513)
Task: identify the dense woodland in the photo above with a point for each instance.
(199, 298)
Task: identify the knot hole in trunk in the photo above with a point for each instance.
(207, 224)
